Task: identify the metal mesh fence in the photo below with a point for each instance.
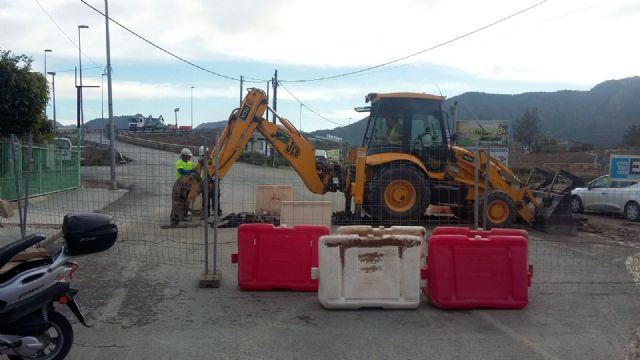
(599, 252)
(55, 167)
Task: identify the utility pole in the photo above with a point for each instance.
(45, 76)
(241, 87)
(275, 94)
(192, 108)
(176, 112)
(80, 27)
(266, 145)
(112, 132)
(53, 86)
(275, 109)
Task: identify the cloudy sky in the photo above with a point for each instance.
(556, 45)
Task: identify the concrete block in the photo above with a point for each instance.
(269, 198)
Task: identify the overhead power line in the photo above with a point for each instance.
(307, 107)
(63, 32)
(165, 50)
(425, 50)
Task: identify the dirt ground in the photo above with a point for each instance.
(610, 226)
(193, 138)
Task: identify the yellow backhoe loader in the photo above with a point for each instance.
(405, 163)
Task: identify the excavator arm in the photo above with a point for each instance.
(286, 139)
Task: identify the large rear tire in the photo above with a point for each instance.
(398, 193)
(500, 209)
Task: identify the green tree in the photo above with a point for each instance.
(528, 129)
(631, 136)
(23, 96)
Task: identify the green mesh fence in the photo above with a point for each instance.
(54, 169)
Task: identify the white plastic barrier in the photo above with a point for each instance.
(306, 212)
(372, 267)
(366, 230)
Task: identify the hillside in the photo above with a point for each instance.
(598, 116)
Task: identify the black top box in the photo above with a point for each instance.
(87, 233)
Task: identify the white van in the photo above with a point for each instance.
(63, 148)
(136, 123)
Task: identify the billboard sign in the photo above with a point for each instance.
(486, 132)
(624, 167)
(500, 153)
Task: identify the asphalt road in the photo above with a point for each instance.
(583, 302)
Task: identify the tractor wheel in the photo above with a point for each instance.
(398, 193)
(500, 209)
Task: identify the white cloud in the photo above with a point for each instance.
(569, 42)
(134, 90)
(557, 41)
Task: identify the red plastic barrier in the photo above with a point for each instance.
(455, 230)
(477, 271)
(272, 257)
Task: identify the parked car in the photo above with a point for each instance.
(606, 195)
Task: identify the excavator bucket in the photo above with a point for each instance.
(553, 194)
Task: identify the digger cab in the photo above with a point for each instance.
(407, 123)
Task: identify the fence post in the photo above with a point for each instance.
(14, 159)
(27, 178)
(205, 207)
(210, 279)
(487, 173)
(476, 165)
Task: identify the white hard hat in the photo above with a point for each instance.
(186, 151)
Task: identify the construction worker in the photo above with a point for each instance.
(184, 166)
(180, 191)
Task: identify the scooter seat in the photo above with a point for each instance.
(8, 252)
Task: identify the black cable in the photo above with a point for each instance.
(166, 51)
(305, 105)
(425, 50)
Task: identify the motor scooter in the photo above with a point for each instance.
(33, 281)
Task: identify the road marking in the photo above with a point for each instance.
(112, 307)
(510, 332)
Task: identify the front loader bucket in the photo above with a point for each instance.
(553, 212)
(554, 215)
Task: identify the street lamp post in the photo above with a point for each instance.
(192, 107)
(53, 90)
(45, 76)
(80, 66)
(176, 113)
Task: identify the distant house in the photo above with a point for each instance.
(257, 144)
(565, 146)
